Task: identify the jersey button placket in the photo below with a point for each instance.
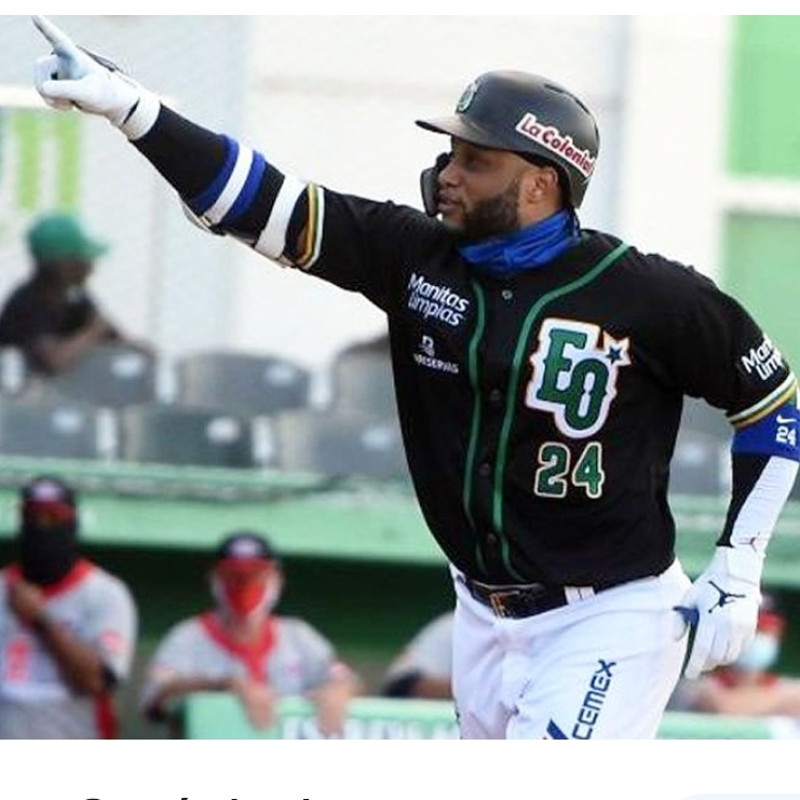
(496, 398)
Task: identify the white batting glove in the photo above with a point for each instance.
(70, 77)
(723, 604)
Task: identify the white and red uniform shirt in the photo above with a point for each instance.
(291, 656)
(35, 701)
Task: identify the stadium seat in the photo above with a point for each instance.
(14, 374)
(241, 383)
(339, 445)
(362, 380)
(700, 465)
(112, 376)
(160, 433)
(56, 429)
(700, 417)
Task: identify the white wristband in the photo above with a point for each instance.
(739, 562)
(143, 116)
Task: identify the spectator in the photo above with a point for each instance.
(424, 667)
(242, 647)
(749, 686)
(67, 627)
(51, 317)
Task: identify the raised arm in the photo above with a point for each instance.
(225, 187)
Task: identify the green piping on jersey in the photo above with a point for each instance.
(480, 325)
(513, 384)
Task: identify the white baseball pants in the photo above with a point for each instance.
(602, 667)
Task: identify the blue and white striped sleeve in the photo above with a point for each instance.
(228, 188)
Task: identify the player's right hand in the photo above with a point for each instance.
(70, 77)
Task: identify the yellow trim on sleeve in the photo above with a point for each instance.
(313, 229)
(782, 395)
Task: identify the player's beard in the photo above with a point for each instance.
(497, 216)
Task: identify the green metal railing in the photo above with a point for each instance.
(133, 505)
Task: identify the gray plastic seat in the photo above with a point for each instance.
(165, 434)
(14, 372)
(700, 464)
(700, 417)
(362, 381)
(110, 375)
(241, 383)
(363, 384)
(55, 429)
(339, 445)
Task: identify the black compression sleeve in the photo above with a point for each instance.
(187, 155)
(747, 469)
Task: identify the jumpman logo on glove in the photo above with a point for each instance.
(720, 637)
(724, 597)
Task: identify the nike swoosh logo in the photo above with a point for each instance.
(786, 420)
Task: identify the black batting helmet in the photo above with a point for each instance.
(531, 116)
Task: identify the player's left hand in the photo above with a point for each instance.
(723, 604)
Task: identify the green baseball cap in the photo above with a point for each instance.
(55, 237)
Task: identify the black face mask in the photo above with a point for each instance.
(47, 543)
(46, 555)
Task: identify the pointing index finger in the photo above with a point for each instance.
(62, 44)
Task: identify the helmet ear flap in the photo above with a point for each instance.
(429, 184)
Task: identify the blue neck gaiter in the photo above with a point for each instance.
(526, 249)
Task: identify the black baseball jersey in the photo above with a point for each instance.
(539, 412)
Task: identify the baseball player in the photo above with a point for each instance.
(424, 667)
(540, 371)
(67, 627)
(242, 647)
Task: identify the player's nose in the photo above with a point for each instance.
(449, 175)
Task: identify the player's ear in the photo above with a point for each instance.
(539, 184)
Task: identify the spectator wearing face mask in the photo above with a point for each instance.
(52, 317)
(749, 686)
(67, 627)
(242, 646)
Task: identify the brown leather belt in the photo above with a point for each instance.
(524, 600)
